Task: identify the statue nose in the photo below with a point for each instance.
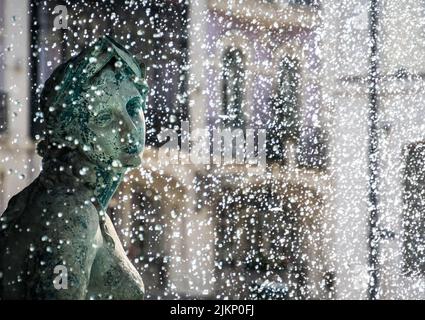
(133, 135)
(129, 129)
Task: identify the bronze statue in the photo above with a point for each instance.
(92, 109)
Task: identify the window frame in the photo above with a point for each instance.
(238, 41)
(409, 268)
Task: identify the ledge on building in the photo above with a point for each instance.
(272, 14)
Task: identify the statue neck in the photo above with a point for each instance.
(70, 169)
(107, 182)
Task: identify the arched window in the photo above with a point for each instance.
(414, 211)
(287, 96)
(233, 87)
(284, 122)
(259, 248)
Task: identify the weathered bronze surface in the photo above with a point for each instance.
(94, 131)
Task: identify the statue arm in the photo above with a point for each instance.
(67, 252)
(113, 274)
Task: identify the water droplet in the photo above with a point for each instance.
(116, 164)
(83, 171)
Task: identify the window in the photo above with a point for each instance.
(3, 111)
(260, 240)
(414, 213)
(3, 201)
(284, 123)
(147, 246)
(240, 259)
(3, 95)
(286, 247)
(312, 151)
(239, 245)
(168, 72)
(233, 87)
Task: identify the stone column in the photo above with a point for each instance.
(196, 242)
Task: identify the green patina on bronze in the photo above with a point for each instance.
(94, 131)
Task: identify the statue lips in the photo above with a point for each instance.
(134, 149)
(131, 160)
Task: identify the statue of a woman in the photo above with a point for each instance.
(56, 241)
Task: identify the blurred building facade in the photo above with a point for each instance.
(299, 228)
(345, 52)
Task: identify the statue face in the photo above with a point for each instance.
(115, 124)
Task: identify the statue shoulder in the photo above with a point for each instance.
(72, 214)
(17, 205)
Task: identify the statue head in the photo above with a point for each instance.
(94, 104)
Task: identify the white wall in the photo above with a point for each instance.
(16, 147)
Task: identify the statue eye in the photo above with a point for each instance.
(134, 106)
(103, 119)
